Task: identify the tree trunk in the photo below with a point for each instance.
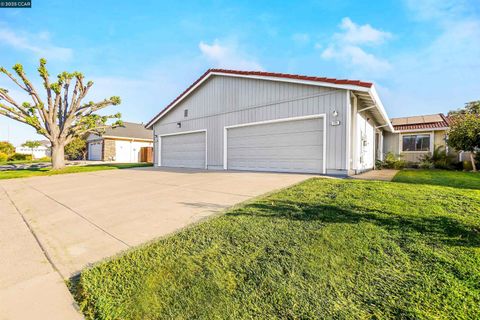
(474, 167)
(58, 156)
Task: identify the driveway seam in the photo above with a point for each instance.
(81, 216)
(34, 234)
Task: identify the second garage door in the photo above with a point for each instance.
(295, 145)
(186, 150)
(95, 150)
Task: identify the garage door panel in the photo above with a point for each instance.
(287, 146)
(286, 152)
(277, 128)
(309, 138)
(183, 150)
(306, 166)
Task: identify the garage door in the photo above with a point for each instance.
(286, 146)
(95, 150)
(183, 150)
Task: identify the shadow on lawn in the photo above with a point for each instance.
(440, 228)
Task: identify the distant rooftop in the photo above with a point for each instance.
(429, 121)
(130, 130)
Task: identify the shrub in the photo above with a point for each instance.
(7, 148)
(438, 159)
(392, 162)
(20, 157)
(467, 165)
(426, 164)
(3, 157)
(44, 159)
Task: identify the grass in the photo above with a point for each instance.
(456, 179)
(34, 172)
(335, 249)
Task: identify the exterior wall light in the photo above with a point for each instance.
(335, 113)
(179, 124)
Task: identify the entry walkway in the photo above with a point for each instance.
(381, 175)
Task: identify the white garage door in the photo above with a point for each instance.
(186, 150)
(285, 146)
(95, 150)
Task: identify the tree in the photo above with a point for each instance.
(464, 134)
(31, 145)
(6, 147)
(76, 149)
(472, 107)
(61, 117)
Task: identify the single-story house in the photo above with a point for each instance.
(416, 136)
(262, 121)
(120, 144)
(42, 151)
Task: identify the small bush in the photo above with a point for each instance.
(467, 165)
(392, 162)
(438, 159)
(426, 164)
(20, 157)
(45, 159)
(3, 157)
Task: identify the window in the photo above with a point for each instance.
(420, 142)
(185, 113)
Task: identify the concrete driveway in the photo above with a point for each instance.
(52, 227)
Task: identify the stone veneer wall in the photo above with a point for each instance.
(109, 151)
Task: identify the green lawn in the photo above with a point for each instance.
(34, 172)
(456, 179)
(342, 249)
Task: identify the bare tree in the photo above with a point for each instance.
(62, 116)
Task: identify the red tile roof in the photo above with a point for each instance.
(263, 74)
(444, 123)
(294, 76)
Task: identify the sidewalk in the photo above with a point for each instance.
(30, 288)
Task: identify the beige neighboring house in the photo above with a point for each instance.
(120, 144)
(413, 137)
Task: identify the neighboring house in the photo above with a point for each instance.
(417, 136)
(262, 121)
(42, 151)
(120, 144)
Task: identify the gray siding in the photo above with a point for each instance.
(224, 101)
(390, 142)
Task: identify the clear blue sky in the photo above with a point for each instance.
(423, 55)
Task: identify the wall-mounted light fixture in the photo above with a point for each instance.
(335, 113)
(179, 124)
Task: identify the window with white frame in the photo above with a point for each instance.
(416, 142)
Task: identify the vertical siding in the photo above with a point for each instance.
(390, 142)
(223, 101)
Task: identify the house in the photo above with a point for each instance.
(42, 151)
(416, 136)
(120, 144)
(262, 121)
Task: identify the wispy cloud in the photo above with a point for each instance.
(37, 43)
(228, 55)
(301, 38)
(361, 35)
(347, 46)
